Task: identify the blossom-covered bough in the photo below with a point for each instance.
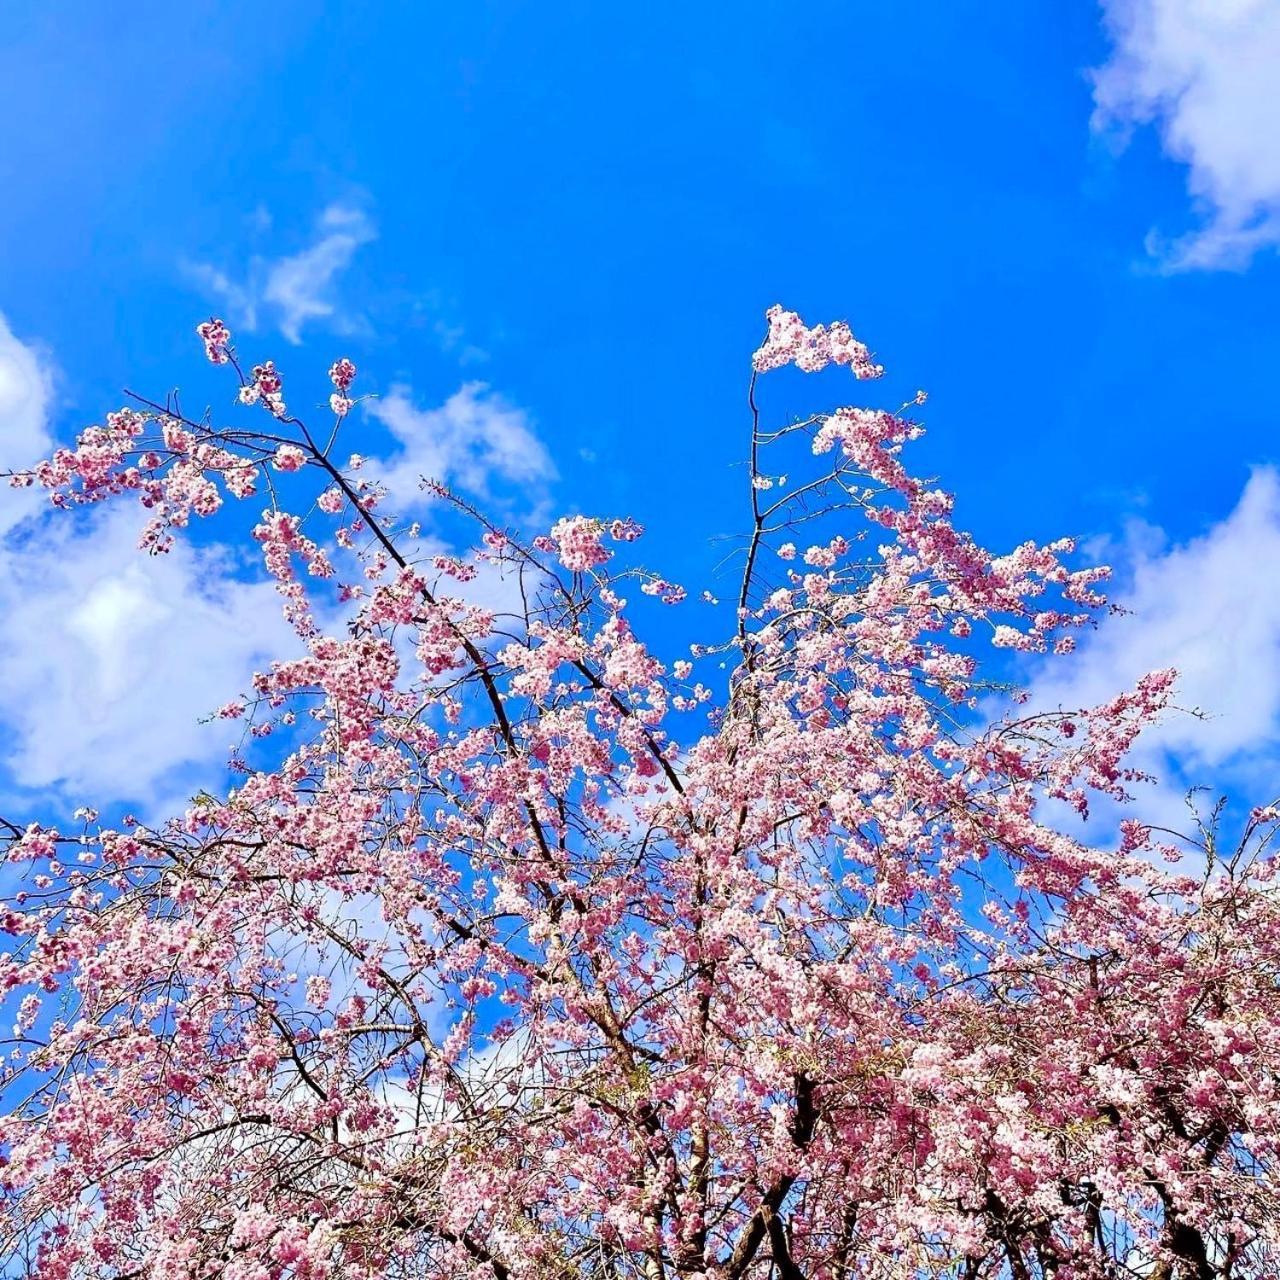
(529, 955)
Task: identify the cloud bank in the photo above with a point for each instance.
(1204, 73)
(1205, 607)
(110, 659)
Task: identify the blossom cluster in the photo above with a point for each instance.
(812, 349)
(521, 950)
(266, 388)
(342, 373)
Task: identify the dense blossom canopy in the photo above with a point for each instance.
(531, 955)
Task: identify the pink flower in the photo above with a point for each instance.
(789, 342)
(318, 989)
(342, 373)
(288, 457)
(507, 947)
(217, 340)
(578, 543)
(266, 388)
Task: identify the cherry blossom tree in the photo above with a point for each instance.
(520, 951)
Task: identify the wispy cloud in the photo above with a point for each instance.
(239, 302)
(1201, 607)
(113, 658)
(1203, 72)
(301, 286)
(26, 390)
(109, 659)
(297, 289)
(474, 439)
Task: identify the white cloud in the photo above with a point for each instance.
(1204, 71)
(1206, 608)
(239, 302)
(111, 657)
(482, 444)
(472, 439)
(299, 288)
(25, 395)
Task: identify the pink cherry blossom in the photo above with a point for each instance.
(789, 342)
(578, 543)
(519, 950)
(217, 340)
(342, 373)
(288, 457)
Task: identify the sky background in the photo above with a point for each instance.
(547, 235)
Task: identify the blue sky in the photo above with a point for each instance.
(1059, 219)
